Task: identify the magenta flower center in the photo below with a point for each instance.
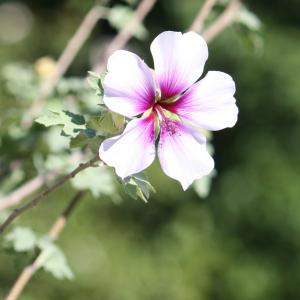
(160, 110)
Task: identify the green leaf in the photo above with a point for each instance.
(72, 123)
(108, 123)
(83, 138)
(82, 141)
(22, 239)
(95, 81)
(50, 119)
(53, 260)
(138, 186)
(118, 121)
(120, 15)
(98, 180)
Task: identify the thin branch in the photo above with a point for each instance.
(53, 234)
(18, 211)
(74, 45)
(198, 22)
(224, 20)
(126, 33)
(25, 190)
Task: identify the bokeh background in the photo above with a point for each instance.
(241, 242)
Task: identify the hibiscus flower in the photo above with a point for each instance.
(170, 105)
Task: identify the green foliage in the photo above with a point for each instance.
(85, 138)
(80, 132)
(51, 257)
(20, 80)
(53, 260)
(21, 239)
(138, 186)
(99, 180)
(72, 123)
(120, 15)
(95, 82)
(108, 123)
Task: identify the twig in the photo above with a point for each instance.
(222, 21)
(18, 211)
(25, 190)
(53, 234)
(126, 33)
(197, 24)
(74, 45)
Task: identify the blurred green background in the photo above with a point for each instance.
(242, 242)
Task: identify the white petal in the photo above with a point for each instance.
(182, 153)
(209, 103)
(179, 60)
(129, 86)
(133, 150)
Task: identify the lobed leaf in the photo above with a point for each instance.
(53, 260)
(72, 123)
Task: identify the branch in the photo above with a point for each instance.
(202, 15)
(224, 20)
(126, 33)
(74, 45)
(25, 190)
(18, 211)
(53, 234)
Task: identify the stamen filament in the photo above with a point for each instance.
(159, 112)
